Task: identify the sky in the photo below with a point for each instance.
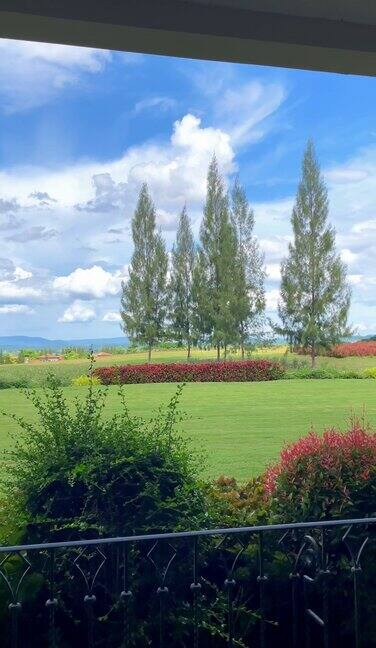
(81, 129)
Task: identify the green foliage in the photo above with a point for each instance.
(183, 257)
(76, 471)
(10, 382)
(237, 504)
(315, 297)
(144, 298)
(249, 271)
(214, 276)
(321, 373)
(370, 373)
(84, 381)
(75, 353)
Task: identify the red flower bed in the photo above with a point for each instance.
(325, 459)
(242, 371)
(361, 348)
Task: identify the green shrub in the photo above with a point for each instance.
(70, 468)
(321, 373)
(239, 504)
(78, 474)
(13, 382)
(85, 381)
(370, 373)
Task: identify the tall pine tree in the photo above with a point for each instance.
(144, 298)
(249, 285)
(315, 297)
(214, 273)
(182, 264)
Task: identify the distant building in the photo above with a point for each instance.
(50, 358)
(102, 354)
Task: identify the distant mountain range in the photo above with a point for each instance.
(16, 342)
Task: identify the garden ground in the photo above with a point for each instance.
(241, 427)
(35, 374)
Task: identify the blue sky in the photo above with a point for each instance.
(81, 129)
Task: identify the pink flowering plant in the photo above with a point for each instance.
(325, 476)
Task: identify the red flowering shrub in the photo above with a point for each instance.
(361, 348)
(325, 476)
(242, 371)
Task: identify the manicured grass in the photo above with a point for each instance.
(36, 373)
(240, 426)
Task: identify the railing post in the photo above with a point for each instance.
(195, 589)
(295, 586)
(51, 603)
(14, 609)
(126, 596)
(262, 578)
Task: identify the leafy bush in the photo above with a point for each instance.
(85, 381)
(239, 504)
(320, 477)
(361, 348)
(322, 373)
(77, 471)
(370, 373)
(242, 371)
(10, 382)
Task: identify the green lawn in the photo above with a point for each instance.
(36, 374)
(240, 426)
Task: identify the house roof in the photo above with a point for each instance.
(331, 35)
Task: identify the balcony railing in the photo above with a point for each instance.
(295, 585)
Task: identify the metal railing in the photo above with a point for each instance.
(289, 585)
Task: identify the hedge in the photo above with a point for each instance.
(242, 371)
(361, 348)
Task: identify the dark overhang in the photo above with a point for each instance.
(331, 35)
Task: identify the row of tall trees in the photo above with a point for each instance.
(215, 292)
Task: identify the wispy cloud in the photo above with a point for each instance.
(31, 74)
(155, 103)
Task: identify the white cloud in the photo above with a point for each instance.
(364, 226)
(15, 309)
(244, 109)
(273, 271)
(33, 73)
(355, 279)
(78, 312)
(276, 247)
(362, 327)
(111, 316)
(344, 175)
(10, 291)
(89, 283)
(272, 298)
(21, 274)
(348, 256)
(160, 103)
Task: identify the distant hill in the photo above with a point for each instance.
(16, 342)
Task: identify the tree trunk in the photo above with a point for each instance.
(149, 353)
(189, 351)
(313, 356)
(225, 351)
(243, 350)
(218, 351)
